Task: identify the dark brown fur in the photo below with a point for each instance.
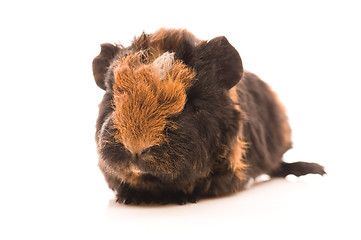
(175, 130)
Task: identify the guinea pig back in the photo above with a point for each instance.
(180, 120)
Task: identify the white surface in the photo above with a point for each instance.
(50, 184)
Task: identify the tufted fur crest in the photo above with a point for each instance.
(145, 95)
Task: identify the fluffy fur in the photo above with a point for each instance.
(181, 120)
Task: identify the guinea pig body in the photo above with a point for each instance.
(181, 120)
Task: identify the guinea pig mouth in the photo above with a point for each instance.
(150, 178)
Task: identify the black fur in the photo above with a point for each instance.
(198, 150)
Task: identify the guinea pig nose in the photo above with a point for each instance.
(141, 153)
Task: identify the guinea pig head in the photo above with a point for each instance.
(145, 94)
(166, 115)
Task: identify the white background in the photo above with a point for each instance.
(51, 188)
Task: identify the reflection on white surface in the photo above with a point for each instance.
(274, 208)
(50, 185)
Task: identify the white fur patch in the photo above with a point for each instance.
(163, 64)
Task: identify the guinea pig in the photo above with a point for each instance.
(181, 120)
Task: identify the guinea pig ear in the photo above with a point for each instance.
(103, 61)
(219, 61)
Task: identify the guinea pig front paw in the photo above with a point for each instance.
(193, 198)
(127, 198)
(134, 197)
(129, 195)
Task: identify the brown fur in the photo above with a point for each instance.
(239, 146)
(143, 101)
(180, 119)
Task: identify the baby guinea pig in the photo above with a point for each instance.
(180, 120)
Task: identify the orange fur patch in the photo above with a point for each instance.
(143, 99)
(239, 146)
